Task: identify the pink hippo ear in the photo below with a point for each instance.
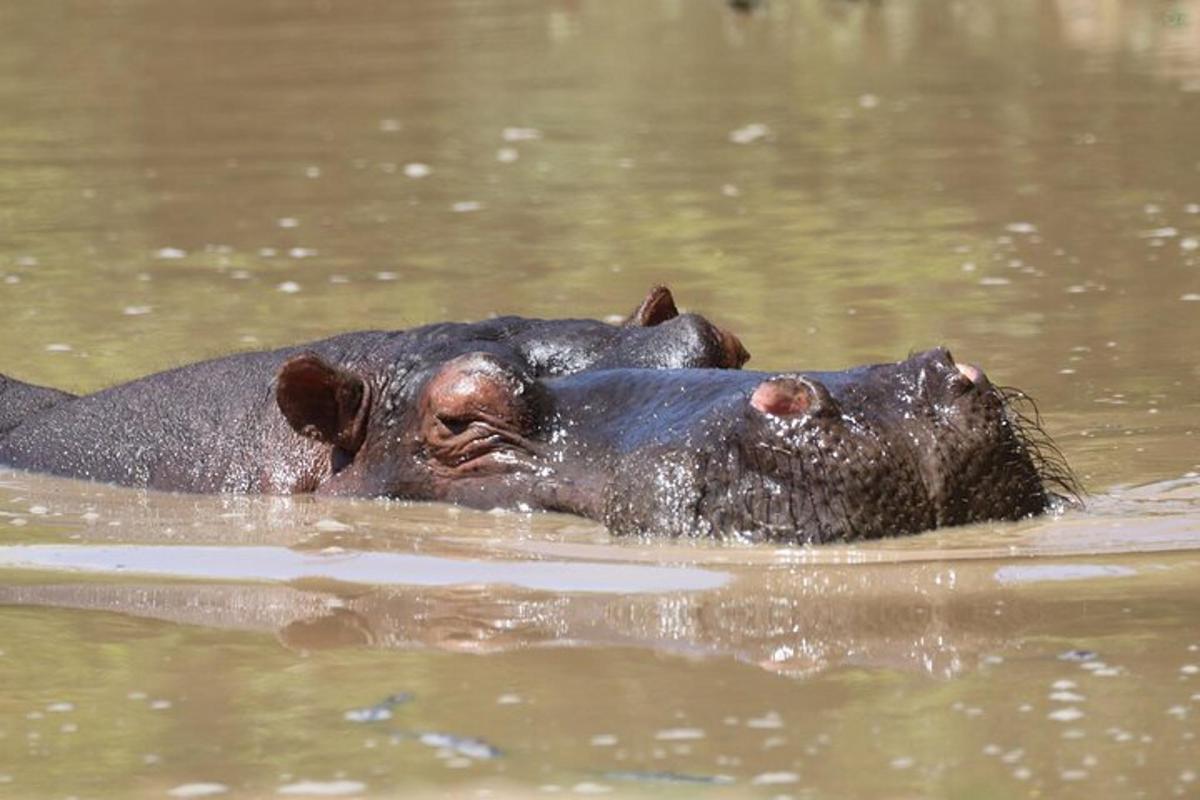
(657, 308)
(323, 401)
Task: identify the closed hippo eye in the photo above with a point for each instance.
(475, 408)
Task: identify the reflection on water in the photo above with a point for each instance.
(837, 182)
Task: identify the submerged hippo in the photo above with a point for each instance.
(648, 427)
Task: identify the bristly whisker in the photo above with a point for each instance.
(1063, 489)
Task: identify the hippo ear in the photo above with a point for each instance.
(323, 401)
(658, 307)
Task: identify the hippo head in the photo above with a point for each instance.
(788, 457)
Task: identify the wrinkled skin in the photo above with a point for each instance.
(648, 427)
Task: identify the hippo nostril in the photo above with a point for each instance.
(792, 395)
(972, 373)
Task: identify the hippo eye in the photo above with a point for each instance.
(456, 425)
(477, 412)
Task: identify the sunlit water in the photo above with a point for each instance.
(837, 182)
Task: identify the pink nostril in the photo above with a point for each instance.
(788, 396)
(781, 397)
(972, 373)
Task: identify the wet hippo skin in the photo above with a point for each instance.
(649, 427)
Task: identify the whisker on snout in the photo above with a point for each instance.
(1062, 486)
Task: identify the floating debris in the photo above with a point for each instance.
(468, 746)
(679, 734)
(520, 134)
(288, 287)
(465, 206)
(170, 253)
(774, 778)
(417, 170)
(198, 790)
(770, 720)
(1065, 715)
(668, 777)
(323, 788)
(748, 134)
(380, 711)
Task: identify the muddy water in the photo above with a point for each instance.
(838, 182)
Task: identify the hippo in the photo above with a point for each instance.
(649, 426)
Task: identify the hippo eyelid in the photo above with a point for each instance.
(455, 424)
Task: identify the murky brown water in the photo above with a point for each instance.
(838, 182)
